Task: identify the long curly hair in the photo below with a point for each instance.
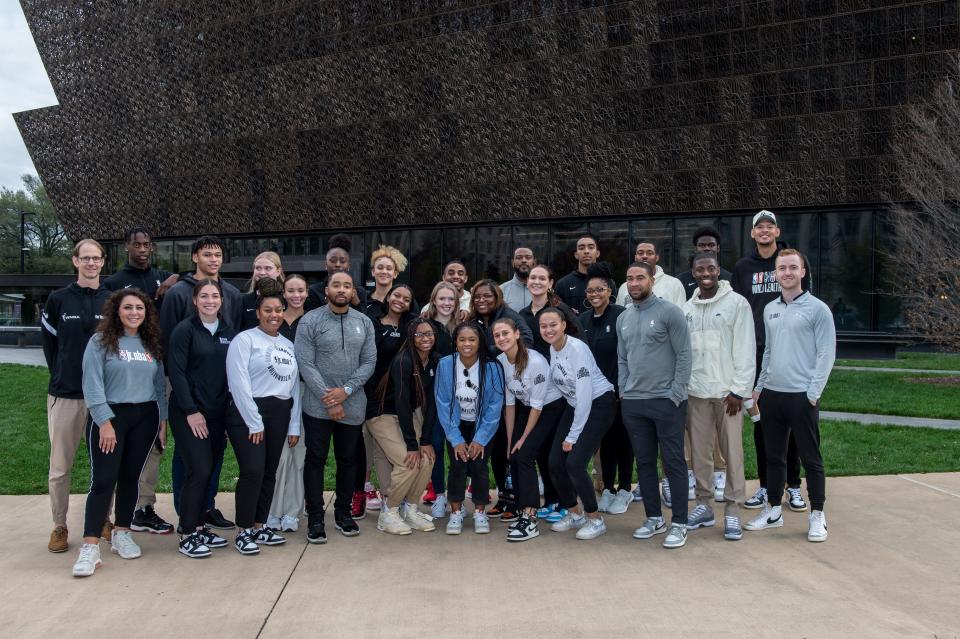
(111, 328)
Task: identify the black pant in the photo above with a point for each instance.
(498, 458)
(136, 426)
(569, 470)
(199, 458)
(477, 468)
(524, 460)
(793, 458)
(347, 441)
(616, 456)
(360, 468)
(786, 414)
(258, 462)
(651, 422)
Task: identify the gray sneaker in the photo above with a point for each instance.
(652, 526)
(732, 529)
(702, 515)
(677, 536)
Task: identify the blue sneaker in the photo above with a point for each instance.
(556, 515)
(544, 512)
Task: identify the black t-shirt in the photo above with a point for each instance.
(389, 339)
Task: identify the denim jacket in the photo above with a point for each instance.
(448, 409)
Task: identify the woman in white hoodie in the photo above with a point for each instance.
(722, 342)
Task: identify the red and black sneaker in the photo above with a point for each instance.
(430, 495)
(358, 506)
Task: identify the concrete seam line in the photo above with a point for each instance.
(939, 490)
(280, 594)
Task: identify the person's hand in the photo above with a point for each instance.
(256, 438)
(336, 413)
(460, 452)
(567, 447)
(334, 397)
(475, 450)
(733, 405)
(166, 285)
(412, 460)
(162, 434)
(108, 438)
(756, 396)
(517, 446)
(292, 440)
(813, 402)
(463, 315)
(427, 453)
(198, 424)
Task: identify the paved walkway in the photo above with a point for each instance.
(871, 578)
(893, 420)
(27, 356)
(872, 369)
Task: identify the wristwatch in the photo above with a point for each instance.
(348, 390)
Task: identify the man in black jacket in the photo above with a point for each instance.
(137, 272)
(69, 318)
(754, 277)
(706, 239)
(572, 288)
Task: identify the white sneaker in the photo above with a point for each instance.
(676, 537)
(795, 500)
(374, 501)
(568, 521)
(652, 526)
(122, 543)
(481, 524)
(621, 502)
(666, 495)
(455, 524)
(288, 524)
(390, 522)
(691, 485)
(274, 522)
(88, 561)
(592, 529)
(817, 531)
(416, 519)
(605, 500)
(719, 484)
(439, 507)
(637, 495)
(769, 517)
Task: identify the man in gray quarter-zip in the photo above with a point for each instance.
(336, 353)
(799, 354)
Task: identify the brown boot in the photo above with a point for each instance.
(106, 533)
(58, 540)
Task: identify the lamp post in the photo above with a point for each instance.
(23, 245)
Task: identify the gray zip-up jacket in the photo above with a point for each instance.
(653, 351)
(801, 346)
(335, 350)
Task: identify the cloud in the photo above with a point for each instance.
(23, 85)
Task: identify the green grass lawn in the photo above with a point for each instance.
(891, 394)
(929, 361)
(848, 448)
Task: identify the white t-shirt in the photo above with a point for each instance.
(574, 370)
(467, 387)
(534, 388)
(260, 365)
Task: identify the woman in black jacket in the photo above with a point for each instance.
(542, 296)
(402, 430)
(197, 371)
(598, 329)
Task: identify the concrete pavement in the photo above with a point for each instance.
(26, 356)
(874, 369)
(892, 420)
(887, 571)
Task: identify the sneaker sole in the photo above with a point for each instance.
(136, 528)
(358, 517)
(816, 540)
(399, 533)
(223, 545)
(778, 524)
(217, 527)
(618, 512)
(705, 524)
(58, 550)
(271, 543)
(117, 552)
(248, 552)
(796, 509)
(672, 546)
(592, 537)
(88, 574)
(348, 533)
(658, 531)
(454, 532)
(751, 506)
(317, 542)
(733, 537)
(193, 555)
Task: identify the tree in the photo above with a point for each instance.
(926, 229)
(48, 244)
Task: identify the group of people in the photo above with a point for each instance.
(532, 379)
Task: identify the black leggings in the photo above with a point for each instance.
(258, 462)
(524, 460)
(616, 456)
(457, 477)
(199, 457)
(498, 459)
(788, 415)
(793, 457)
(136, 426)
(570, 469)
(347, 442)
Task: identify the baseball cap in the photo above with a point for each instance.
(764, 216)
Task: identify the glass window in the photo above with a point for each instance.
(659, 231)
(845, 279)
(889, 309)
(564, 244)
(461, 244)
(614, 240)
(163, 256)
(425, 262)
(495, 254)
(181, 256)
(534, 237)
(398, 239)
(730, 234)
(797, 230)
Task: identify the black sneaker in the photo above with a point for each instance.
(347, 526)
(525, 528)
(212, 539)
(147, 520)
(246, 544)
(215, 519)
(192, 546)
(316, 534)
(268, 536)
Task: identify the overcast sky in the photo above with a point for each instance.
(23, 86)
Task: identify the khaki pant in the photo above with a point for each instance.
(151, 474)
(66, 422)
(719, 463)
(708, 423)
(288, 491)
(397, 482)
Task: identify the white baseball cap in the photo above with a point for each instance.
(765, 215)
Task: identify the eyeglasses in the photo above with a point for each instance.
(90, 259)
(596, 291)
(466, 374)
(422, 335)
(485, 296)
